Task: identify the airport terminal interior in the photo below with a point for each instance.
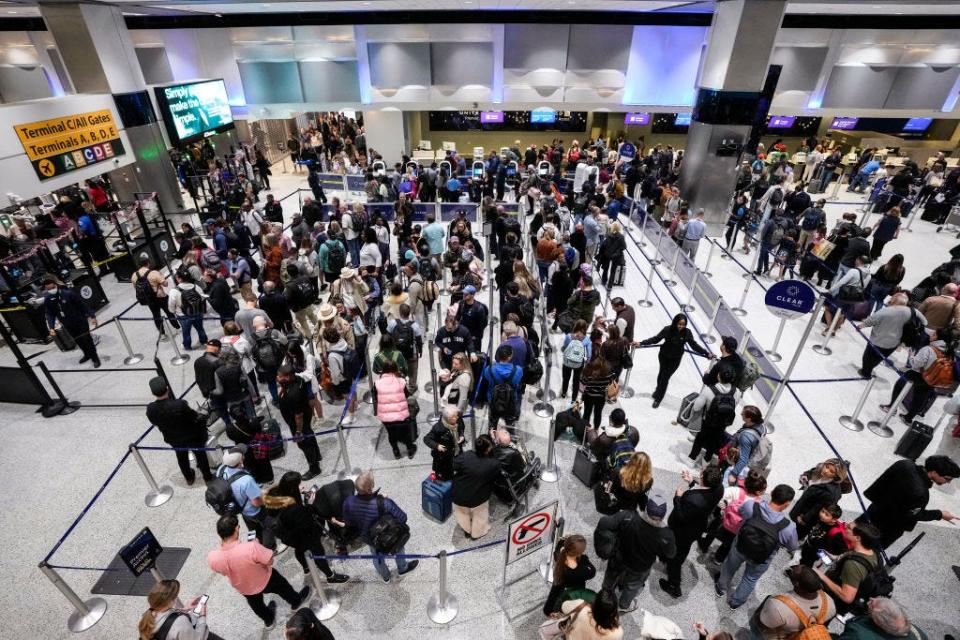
(220, 218)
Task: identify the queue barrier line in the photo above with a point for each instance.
(72, 568)
(408, 556)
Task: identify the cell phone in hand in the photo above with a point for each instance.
(251, 535)
(824, 558)
(200, 604)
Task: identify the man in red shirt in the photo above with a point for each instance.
(249, 566)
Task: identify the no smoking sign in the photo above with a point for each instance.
(531, 532)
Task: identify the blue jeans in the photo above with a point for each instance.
(195, 322)
(763, 263)
(751, 574)
(380, 563)
(354, 247)
(859, 180)
(542, 268)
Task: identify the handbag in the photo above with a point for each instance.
(852, 292)
(586, 468)
(626, 360)
(613, 392)
(556, 628)
(604, 499)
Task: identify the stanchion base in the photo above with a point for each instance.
(551, 394)
(442, 615)
(851, 423)
(748, 274)
(880, 429)
(769, 426)
(433, 417)
(737, 311)
(367, 397)
(543, 409)
(78, 623)
(646, 304)
(708, 338)
(655, 261)
(627, 392)
(328, 609)
(689, 308)
(670, 283)
(550, 474)
(183, 358)
(724, 256)
(773, 356)
(706, 274)
(159, 497)
(59, 408)
(822, 349)
(133, 359)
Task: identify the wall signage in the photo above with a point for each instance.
(64, 144)
(790, 299)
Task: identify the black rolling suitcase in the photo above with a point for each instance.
(914, 441)
(64, 340)
(686, 409)
(619, 274)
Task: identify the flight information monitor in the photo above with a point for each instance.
(194, 111)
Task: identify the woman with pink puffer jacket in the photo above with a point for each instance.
(392, 409)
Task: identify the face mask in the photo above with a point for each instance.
(54, 291)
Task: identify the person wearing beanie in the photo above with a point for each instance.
(631, 543)
(181, 428)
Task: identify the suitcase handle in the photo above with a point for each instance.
(687, 413)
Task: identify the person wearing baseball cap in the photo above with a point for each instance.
(181, 428)
(632, 544)
(474, 315)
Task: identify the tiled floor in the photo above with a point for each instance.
(54, 467)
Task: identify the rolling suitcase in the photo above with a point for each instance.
(586, 468)
(914, 441)
(686, 409)
(619, 274)
(64, 340)
(436, 498)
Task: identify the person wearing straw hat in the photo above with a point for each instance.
(330, 319)
(351, 289)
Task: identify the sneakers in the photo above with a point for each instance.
(84, 359)
(311, 474)
(630, 607)
(338, 578)
(656, 403)
(413, 564)
(670, 589)
(717, 590)
(863, 374)
(348, 419)
(411, 451)
(396, 454)
(884, 408)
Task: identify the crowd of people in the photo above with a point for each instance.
(304, 312)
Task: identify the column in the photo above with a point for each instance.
(99, 57)
(385, 133)
(730, 102)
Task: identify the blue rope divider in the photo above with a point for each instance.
(62, 566)
(408, 556)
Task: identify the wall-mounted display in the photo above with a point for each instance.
(683, 119)
(543, 116)
(641, 119)
(491, 117)
(195, 110)
(844, 124)
(537, 120)
(918, 124)
(780, 122)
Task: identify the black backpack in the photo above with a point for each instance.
(192, 302)
(878, 583)
(503, 399)
(164, 630)
(405, 338)
(776, 197)
(426, 269)
(810, 220)
(722, 410)
(267, 353)
(336, 257)
(387, 534)
(351, 363)
(145, 293)
(758, 539)
(304, 296)
(219, 494)
(913, 335)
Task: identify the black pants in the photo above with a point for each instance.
(921, 392)
(311, 451)
(731, 234)
(567, 371)
(156, 308)
(668, 366)
(871, 358)
(278, 585)
(709, 440)
(398, 432)
(183, 461)
(675, 564)
(314, 548)
(877, 248)
(81, 335)
(594, 405)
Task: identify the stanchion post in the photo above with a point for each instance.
(853, 421)
(706, 267)
(157, 495)
(473, 424)
(708, 337)
(656, 252)
(87, 612)
(442, 607)
(61, 406)
(435, 387)
(646, 303)
(882, 427)
(815, 314)
(327, 601)
(367, 397)
(132, 358)
(739, 310)
(673, 269)
(546, 566)
(823, 349)
(431, 348)
(543, 408)
(756, 262)
(348, 469)
(550, 472)
(772, 354)
(688, 307)
(179, 358)
(626, 391)
(742, 347)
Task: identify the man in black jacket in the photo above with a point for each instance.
(692, 506)
(205, 371)
(219, 296)
(728, 358)
(452, 338)
(631, 543)
(66, 307)
(899, 497)
(181, 428)
(274, 304)
(512, 463)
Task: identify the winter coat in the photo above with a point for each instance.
(392, 399)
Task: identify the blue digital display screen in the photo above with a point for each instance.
(918, 124)
(682, 120)
(543, 116)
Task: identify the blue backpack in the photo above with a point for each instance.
(620, 452)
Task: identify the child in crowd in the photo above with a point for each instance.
(827, 535)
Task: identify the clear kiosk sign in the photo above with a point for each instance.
(790, 299)
(531, 532)
(141, 553)
(68, 143)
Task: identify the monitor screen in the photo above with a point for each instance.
(781, 122)
(543, 116)
(918, 124)
(637, 119)
(491, 117)
(682, 120)
(844, 124)
(196, 110)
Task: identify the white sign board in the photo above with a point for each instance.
(531, 532)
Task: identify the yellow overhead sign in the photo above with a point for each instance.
(67, 134)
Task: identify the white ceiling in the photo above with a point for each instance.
(169, 7)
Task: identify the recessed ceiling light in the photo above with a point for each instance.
(11, 11)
